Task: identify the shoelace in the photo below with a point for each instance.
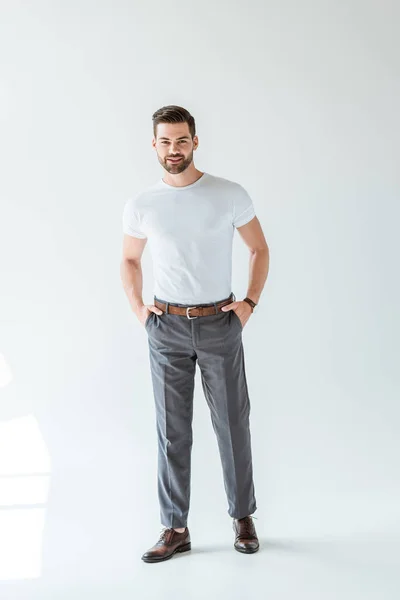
(247, 523)
(164, 532)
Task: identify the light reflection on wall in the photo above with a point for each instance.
(24, 482)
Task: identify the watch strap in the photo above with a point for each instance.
(250, 301)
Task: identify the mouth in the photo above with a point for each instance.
(174, 160)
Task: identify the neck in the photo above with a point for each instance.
(188, 176)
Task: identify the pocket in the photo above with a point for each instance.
(237, 318)
(148, 319)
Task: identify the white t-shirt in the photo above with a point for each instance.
(190, 232)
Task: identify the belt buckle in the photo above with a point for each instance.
(187, 312)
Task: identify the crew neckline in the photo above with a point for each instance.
(184, 187)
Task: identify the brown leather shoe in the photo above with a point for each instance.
(170, 541)
(246, 537)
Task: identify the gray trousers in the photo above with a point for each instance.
(175, 344)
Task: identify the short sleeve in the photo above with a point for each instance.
(243, 208)
(131, 220)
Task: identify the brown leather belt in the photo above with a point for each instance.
(192, 312)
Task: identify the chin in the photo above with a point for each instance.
(175, 168)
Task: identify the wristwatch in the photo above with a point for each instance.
(250, 301)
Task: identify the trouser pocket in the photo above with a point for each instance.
(148, 319)
(234, 315)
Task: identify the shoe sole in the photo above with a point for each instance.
(184, 548)
(247, 550)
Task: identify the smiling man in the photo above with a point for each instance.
(188, 218)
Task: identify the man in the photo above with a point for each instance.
(188, 218)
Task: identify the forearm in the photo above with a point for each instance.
(132, 281)
(258, 273)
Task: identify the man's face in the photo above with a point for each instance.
(174, 142)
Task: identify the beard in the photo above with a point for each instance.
(179, 167)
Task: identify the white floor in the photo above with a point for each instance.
(361, 567)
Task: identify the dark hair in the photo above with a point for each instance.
(173, 114)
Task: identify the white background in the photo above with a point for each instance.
(298, 102)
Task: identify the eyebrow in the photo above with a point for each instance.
(183, 137)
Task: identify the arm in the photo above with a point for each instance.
(253, 236)
(132, 278)
(254, 239)
(131, 270)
